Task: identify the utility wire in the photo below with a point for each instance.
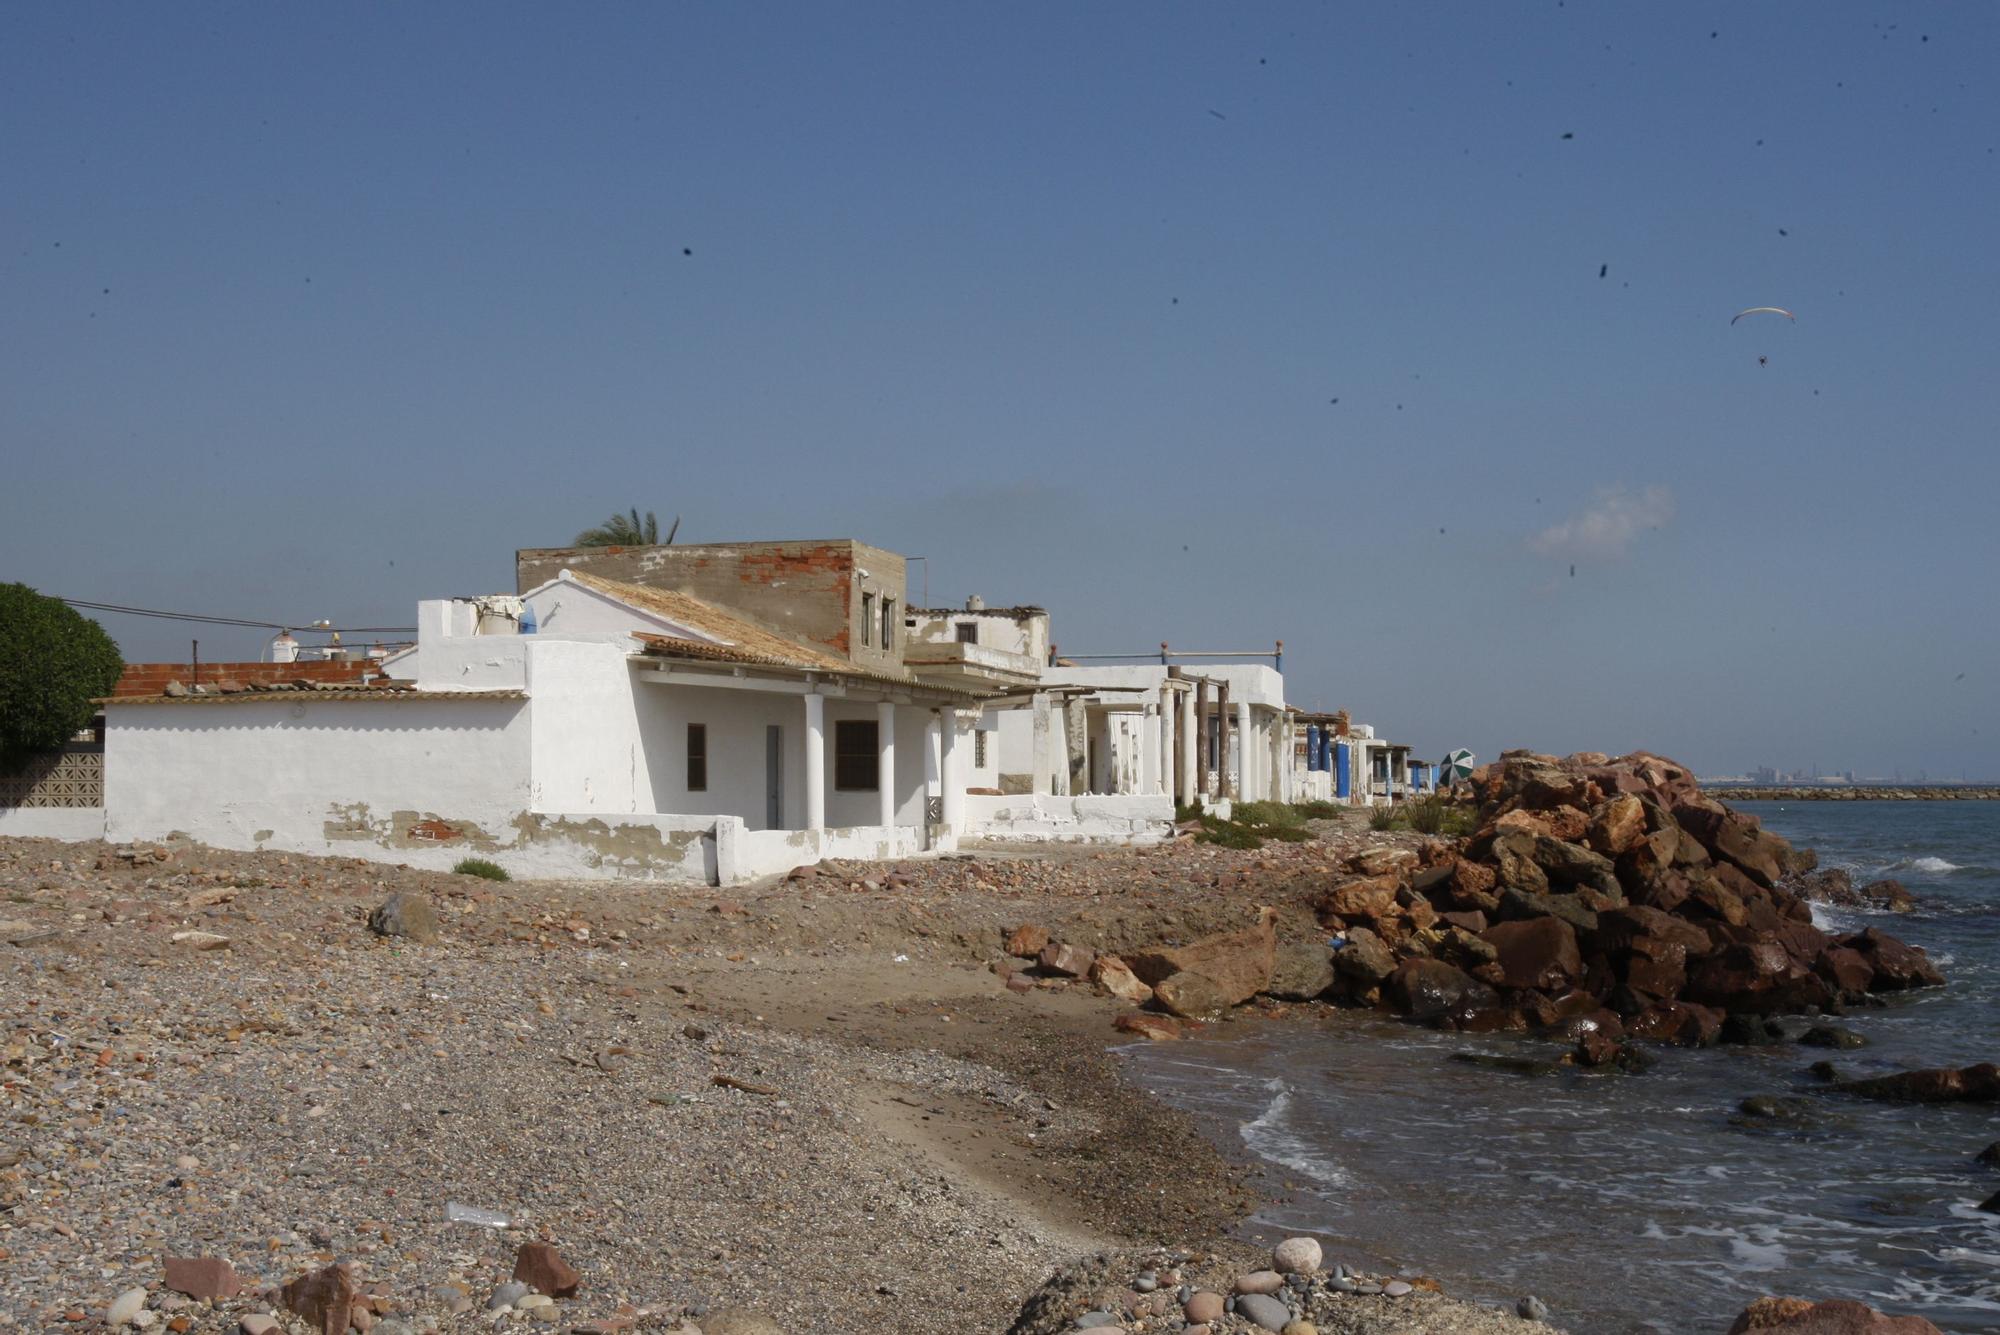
(235, 621)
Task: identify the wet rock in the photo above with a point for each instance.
(1990, 1156)
(1425, 989)
(1365, 958)
(1510, 1063)
(1889, 894)
(1751, 1031)
(1799, 1316)
(1683, 1023)
(1831, 1036)
(1773, 1109)
(1896, 966)
(539, 1266)
(1532, 1308)
(1214, 973)
(1538, 954)
(405, 915)
(1970, 1084)
(1158, 1028)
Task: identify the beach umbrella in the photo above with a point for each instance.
(1457, 765)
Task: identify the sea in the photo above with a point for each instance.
(1648, 1203)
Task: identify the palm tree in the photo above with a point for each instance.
(627, 530)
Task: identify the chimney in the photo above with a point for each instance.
(975, 604)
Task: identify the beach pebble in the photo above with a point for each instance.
(507, 1295)
(1095, 1320)
(1260, 1281)
(1146, 1283)
(1301, 1327)
(1532, 1308)
(1396, 1288)
(1371, 1288)
(528, 1302)
(258, 1324)
(1263, 1311)
(1296, 1256)
(1342, 1284)
(124, 1307)
(1203, 1306)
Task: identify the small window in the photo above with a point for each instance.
(867, 619)
(968, 632)
(888, 623)
(978, 749)
(856, 756)
(697, 757)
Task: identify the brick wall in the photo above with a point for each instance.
(152, 678)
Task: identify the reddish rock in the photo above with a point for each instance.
(1657, 967)
(1364, 898)
(1020, 982)
(1473, 885)
(1227, 970)
(1427, 989)
(1109, 972)
(1892, 895)
(1617, 826)
(539, 1267)
(1845, 970)
(1618, 928)
(1537, 953)
(1158, 1028)
(1028, 941)
(199, 1277)
(1365, 958)
(1798, 1316)
(1513, 853)
(1596, 1049)
(1382, 861)
(325, 1299)
(1680, 1022)
(1065, 960)
(1471, 920)
(1897, 966)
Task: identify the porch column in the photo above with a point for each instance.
(952, 776)
(1281, 758)
(1246, 752)
(885, 743)
(1169, 754)
(1224, 787)
(815, 761)
(1149, 761)
(1191, 750)
(1203, 762)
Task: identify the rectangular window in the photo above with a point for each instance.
(978, 748)
(867, 619)
(697, 757)
(857, 758)
(968, 632)
(888, 623)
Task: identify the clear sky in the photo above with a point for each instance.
(1359, 326)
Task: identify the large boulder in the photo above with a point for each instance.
(1303, 971)
(1425, 989)
(1214, 973)
(1619, 927)
(1970, 1084)
(1569, 864)
(1109, 972)
(1897, 966)
(1617, 826)
(1474, 885)
(1681, 1022)
(1536, 954)
(405, 915)
(1799, 1316)
(1365, 959)
(1516, 905)
(1513, 854)
(1365, 898)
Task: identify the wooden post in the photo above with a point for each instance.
(1223, 786)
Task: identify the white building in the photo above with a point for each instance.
(635, 732)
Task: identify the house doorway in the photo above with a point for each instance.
(774, 776)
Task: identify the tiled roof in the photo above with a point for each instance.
(343, 693)
(748, 641)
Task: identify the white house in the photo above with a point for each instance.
(587, 727)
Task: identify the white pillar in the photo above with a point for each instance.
(1149, 756)
(885, 739)
(815, 761)
(952, 772)
(1246, 786)
(1166, 742)
(1190, 749)
(1281, 757)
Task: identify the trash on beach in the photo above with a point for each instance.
(902, 959)
(455, 1213)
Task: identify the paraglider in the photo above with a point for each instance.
(1766, 310)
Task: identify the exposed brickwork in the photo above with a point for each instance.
(152, 678)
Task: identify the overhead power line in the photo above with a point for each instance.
(200, 619)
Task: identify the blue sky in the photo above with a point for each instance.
(313, 312)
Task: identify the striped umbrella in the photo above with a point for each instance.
(1457, 765)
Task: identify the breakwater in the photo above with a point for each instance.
(1855, 793)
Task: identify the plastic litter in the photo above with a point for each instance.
(456, 1213)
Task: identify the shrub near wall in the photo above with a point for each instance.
(53, 663)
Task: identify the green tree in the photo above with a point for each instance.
(627, 530)
(53, 662)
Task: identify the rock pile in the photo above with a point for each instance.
(1600, 899)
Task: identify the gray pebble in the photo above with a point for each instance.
(1370, 1288)
(1532, 1308)
(1094, 1320)
(1342, 1284)
(1264, 1311)
(507, 1295)
(1184, 1293)
(1146, 1283)
(1396, 1288)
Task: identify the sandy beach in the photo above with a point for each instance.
(812, 1100)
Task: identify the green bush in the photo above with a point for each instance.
(1318, 810)
(1264, 813)
(483, 869)
(54, 662)
(1383, 817)
(1228, 834)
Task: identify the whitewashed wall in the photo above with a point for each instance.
(69, 823)
(1039, 817)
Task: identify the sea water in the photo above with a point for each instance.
(1647, 1203)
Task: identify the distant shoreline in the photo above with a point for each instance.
(1857, 793)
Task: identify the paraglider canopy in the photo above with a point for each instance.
(1766, 310)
